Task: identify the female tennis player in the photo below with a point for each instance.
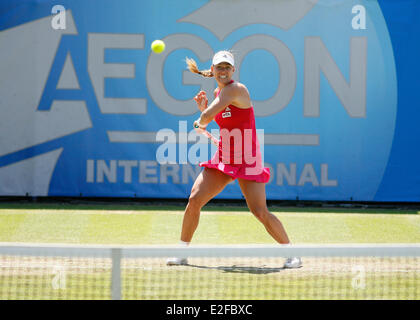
(233, 112)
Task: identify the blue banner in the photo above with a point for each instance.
(87, 109)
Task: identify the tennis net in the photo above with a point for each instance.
(332, 272)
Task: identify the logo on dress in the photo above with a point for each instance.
(227, 113)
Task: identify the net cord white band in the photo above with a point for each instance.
(357, 250)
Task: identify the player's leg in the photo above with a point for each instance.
(255, 196)
(208, 184)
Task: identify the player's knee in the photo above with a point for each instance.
(261, 213)
(196, 201)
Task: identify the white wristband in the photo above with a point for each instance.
(197, 124)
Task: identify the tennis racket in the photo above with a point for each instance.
(212, 138)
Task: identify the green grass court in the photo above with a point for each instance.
(128, 224)
(137, 224)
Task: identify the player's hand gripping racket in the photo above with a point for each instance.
(202, 101)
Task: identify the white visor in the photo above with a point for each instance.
(223, 56)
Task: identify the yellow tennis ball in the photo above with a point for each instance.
(158, 46)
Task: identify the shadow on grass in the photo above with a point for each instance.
(240, 269)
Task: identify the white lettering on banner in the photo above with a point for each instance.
(68, 78)
(290, 174)
(166, 152)
(317, 59)
(189, 173)
(169, 170)
(127, 165)
(325, 182)
(307, 175)
(286, 67)
(99, 70)
(352, 94)
(359, 20)
(90, 171)
(103, 170)
(147, 171)
(58, 21)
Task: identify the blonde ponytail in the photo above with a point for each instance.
(192, 66)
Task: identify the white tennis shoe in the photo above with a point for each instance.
(176, 261)
(293, 263)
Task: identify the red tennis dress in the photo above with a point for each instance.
(238, 154)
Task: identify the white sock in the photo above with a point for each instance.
(184, 244)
